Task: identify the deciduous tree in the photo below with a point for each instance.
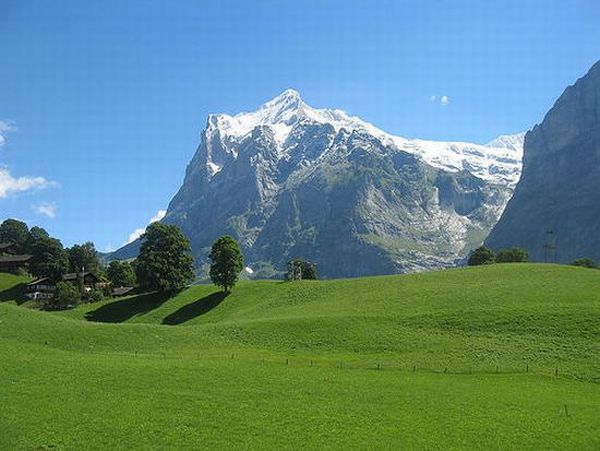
(165, 262)
(36, 233)
(481, 256)
(227, 262)
(83, 256)
(121, 274)
(66, 295)
(16, 232)
(48, 259)
(299, 268)
(512, 255)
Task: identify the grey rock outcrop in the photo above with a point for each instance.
(555, 210)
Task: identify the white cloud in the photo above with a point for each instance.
(135, 235)
(158, 216)
(5, 127)
(444, 100)
(46, 208)
(139, 232)
(10, 184)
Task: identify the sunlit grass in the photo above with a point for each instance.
(500, 357)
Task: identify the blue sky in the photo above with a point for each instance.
(102, 102)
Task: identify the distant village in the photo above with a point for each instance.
(65, 277)
(44, 288)
(33, 253)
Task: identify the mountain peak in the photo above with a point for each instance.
(287, 97)
(284, 108)
(288, 100)
(280, 113)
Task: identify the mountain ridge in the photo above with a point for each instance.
(283, 111)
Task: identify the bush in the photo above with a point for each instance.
(481, 256)
(300, 269)
(66, 295)
(107, 289)
(22, 272)
(586, 263)
(95, 295)
(512, 255)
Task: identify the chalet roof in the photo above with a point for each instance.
(15, 258)
(38, 281)
(120, 291)
(6, 245)
(67, 277)
(74, 275)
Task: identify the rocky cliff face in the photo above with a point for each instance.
(557, 201)
(289, 181)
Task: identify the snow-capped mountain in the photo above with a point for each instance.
(289, 180)
(499, 161)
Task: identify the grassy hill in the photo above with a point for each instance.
(482, 357)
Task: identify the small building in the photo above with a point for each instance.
(90, 280)
(45, 288)
(41, 289)
(14, 263)
(121, 291)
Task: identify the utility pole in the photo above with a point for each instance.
(548, 246)
(81, 281)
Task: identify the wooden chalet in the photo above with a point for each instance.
(44, 288)
(14, 263)
(90, 280)
(41, 289)
(11, 261)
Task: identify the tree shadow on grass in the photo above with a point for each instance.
(15, 293)
(195, 309)
(120, 311)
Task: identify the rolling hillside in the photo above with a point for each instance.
(505, 356)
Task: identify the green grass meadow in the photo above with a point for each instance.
(496, 357)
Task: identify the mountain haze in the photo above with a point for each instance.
(289, 180)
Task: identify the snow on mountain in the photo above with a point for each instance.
(282, 113)
(511, 142)
(499, 161)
